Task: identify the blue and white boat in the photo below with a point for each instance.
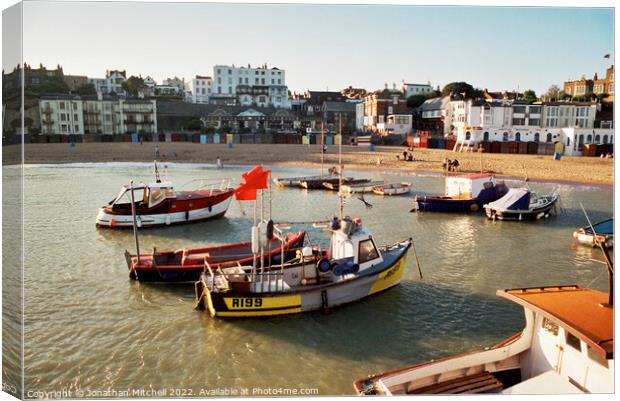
(521, 204)
(604, 232)
(464, 193)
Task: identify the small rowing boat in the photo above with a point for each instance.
(186, 265)
(293, 181)
(604, 233)
(360, 187)
(354, 181)
(400, 188)
(318, 183)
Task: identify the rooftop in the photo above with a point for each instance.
(577, 309)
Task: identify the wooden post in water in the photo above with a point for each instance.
(133, 218)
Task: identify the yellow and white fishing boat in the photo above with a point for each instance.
(356, 268)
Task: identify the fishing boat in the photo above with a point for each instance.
(400, 188)
(603, 231)
(158, 204)
(186, 265)
(566, 347)
(521, 204)
(319, 183)
(464, 193)
(356, 268)
(360, 187)
(354, 181)
(293, 181)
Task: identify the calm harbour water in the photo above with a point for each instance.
(89, 327)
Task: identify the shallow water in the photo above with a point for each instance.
(89, 327)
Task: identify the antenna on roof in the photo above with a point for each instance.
(608, 261)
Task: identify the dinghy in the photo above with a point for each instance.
(293, 181)
(521, 204)
(334, 186)
(400, 188)
(356, 268)
(186, 265)
(464, 193)
(360, 187)
(604, 233)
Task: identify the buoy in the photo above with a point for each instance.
(323, 265)
(112, 223)
(138, 221)
(474, 207)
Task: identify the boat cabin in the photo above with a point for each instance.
(468, 186)
(152, 194)
(566, 347)
(353, 241)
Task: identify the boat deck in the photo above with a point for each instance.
(478, 383)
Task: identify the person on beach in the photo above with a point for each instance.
(404, 155)
(455, 165)
(156, 150)
(410, 157)
(218, 163)
(446, 164)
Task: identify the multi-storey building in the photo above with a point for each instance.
(201, 89)
(416, 89)
(61, 114)
(382, 103)
(112, 83)
(75, 81)
(595, 85)
(101, 114)
(435, 116)
(261, 86)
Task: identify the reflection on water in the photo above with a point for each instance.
(89, 327)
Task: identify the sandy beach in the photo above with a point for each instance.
(536, 167)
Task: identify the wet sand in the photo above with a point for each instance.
(536, 167)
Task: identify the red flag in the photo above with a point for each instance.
(254, 179)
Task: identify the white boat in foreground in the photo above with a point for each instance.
(400, 188)
(566, 347)
(360, 187)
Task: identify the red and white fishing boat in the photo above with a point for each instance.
(186, 265)
(158, 204)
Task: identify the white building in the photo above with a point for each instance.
(249, 86)
(569, 123)
(396, 124)
(61, 114)
(101, 114)
(112, 83)
(359, 116)
(201, 89)
(416, 89)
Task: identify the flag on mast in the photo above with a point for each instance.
(253, 180)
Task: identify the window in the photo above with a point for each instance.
(62, 105)
(550, 326)
(77, 128)
(537, 137)
(262, 81)
(518, 121)
(534, 109)
(279, 81)
(518, 109)
(549, 137)
(518, 137)
(485, 137)
(605, 138)
(589, 140)
(573, 341)
(367, 251)
(240, 80)
(534, 121)
(75, 117)
(505, 137)
(597, 138)
(63, 117)
(467, 136)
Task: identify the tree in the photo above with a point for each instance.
(414, 101)
(459, 88)
(86, 89)
(602, 96)
(195, 124)
(553, 92)
(134, 85)
(529, 96)
(565, 96)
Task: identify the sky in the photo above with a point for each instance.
(325, 46)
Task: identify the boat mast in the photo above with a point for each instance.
(322, 145)
(340, 200)
(133, 218)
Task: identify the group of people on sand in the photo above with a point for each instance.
(451, 165)
(407, 156)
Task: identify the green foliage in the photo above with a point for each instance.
(529, 96)
(226, 129)
(565, 96)
(459, 88)
(133, 85)
(86, 89)
(195, 124)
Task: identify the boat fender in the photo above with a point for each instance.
(112, 223)
(138, 221)
(323, 265)
(168, 220)
(187, 215)
(474, 207)
(338, 270)
(210, 207)
(270, 230)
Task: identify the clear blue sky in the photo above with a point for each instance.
(324, 46)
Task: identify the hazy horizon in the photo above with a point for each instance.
(325, 46)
